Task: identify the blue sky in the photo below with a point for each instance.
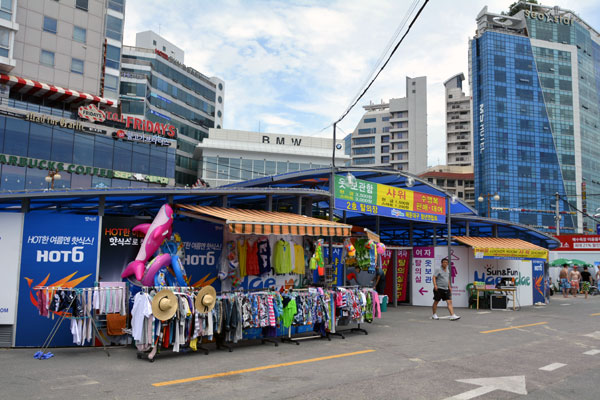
(293, 67)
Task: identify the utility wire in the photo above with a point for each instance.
(382, 67)
(579, 211)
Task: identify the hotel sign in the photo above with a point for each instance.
(556, 19)
(481, 128)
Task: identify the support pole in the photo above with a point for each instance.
(269, 202)
(101, 203)
(224, 201)
(449, 236)
(25, 205)
(299, 205)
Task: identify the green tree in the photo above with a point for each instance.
(520, 5)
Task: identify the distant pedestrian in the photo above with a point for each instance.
(574, 277)
(586, 281)
(564, 280)
(379, 281)
(442, 290)
(598, 278)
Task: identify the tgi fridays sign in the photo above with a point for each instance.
(94, 114)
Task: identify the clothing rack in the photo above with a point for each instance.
(64, 316)
(357, 328)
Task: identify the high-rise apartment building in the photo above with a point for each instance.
(458, 123)
(535, 78)
(394, 134)
(156, 84)
(457, 180)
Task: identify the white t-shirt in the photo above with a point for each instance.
(142, 308)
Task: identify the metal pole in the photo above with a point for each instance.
(489, 199)
(557, 214)
(449, 221)
(332, 194)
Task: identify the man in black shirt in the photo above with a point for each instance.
(586, 280)
(379, 280)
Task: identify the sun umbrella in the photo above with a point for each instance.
(559, 262)
(578, 262)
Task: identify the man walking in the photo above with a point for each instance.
(442, 290)
(564, 280)
(574, 277)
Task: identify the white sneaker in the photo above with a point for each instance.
(454, 317)
(434, 316)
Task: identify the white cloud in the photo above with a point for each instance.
(295, 66)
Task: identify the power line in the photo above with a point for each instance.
(383, 66)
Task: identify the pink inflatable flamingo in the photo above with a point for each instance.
(156, 232)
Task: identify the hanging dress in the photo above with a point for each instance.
(252, 258)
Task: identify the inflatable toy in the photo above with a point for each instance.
(380, 248)
(155, 234)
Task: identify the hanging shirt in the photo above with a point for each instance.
(264, 256)
(252, 259)
(142, 308)
(242, 249)
(289, 312)
(283, 257)
(299, 267)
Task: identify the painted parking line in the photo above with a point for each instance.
(594, 315)
(592, 352)
(244, 371)
(552, 367)
(514, 327)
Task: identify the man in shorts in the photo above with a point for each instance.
(586, 281)
(442, 290)
(564, 280)
(574, 277)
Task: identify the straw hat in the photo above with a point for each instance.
(206, 299)
(164, 305)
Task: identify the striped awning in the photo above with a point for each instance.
(502, 248)
(260, 222)
(56, 93)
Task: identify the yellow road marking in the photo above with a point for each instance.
(594, 315)
(243, 371)
(514, 327)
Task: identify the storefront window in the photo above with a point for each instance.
(158, 164)
(98, 182)
(12, 178)
(120, 183)
(282, 167)
(259, 168)
(64, 182)
(247, 170)
(103, 154)
(234, 168)
(141, 159)
(16, 137)
(40, 141)
(35, 179)
(223, 168)
(81, 181)
(270, 168)
(83, 150)
(62, 145)
(2, 120)
(122, 158)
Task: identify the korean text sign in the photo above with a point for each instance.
(58, 250)
(377, 199)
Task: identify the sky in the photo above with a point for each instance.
(294, 67)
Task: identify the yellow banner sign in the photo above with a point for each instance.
(494, 252)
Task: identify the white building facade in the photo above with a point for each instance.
(459, 135)
(394, 134)
(229, 156)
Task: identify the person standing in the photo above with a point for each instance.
(586, 281)
(379, 281)
(564, 280)
(442, 290)
(574, 277)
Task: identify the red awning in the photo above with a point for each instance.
(56, 93)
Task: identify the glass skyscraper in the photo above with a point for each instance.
(535, 79)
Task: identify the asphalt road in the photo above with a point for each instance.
(406, 355)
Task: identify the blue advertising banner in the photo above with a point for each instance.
(58, 250)
(539, 284)
(203, 242)
(338, 266)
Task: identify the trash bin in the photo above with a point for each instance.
(383, 300)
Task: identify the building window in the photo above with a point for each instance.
(113, 56)
(77, 66)
(47, 58)
(81, 4)
(385, 149)
(6, 9)
(79, 34)
(385, 139)
(369, 120)
(385, 159)
(111, 82)
(4, 42)
(114, 27)
(164, 48)
(154, 43)
(116, 5)
(50, 24)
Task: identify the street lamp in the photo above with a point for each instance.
(489, 198)
(52, 175)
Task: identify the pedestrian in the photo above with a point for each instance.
(598, 278)
(586, 281)
(379, 281)
(564, 280)
(574, 277)
(442, 290)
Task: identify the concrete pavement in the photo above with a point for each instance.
(553, 350)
